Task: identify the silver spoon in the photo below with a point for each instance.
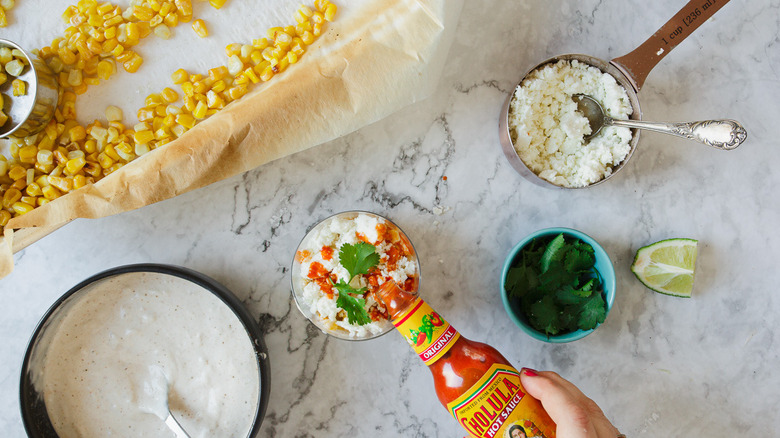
(175, 427)
(720, 134)
(154, 400)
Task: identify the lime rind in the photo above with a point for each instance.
(667, 266)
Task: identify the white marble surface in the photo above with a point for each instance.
(659, 366)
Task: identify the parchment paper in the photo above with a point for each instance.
(375, 58)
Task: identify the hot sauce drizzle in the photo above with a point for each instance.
(327, 253)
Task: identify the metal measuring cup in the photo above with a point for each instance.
(630, 71)
(30, 113)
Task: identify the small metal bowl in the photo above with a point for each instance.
(29, 114)
(506, 137)
(34, 414)
(297, 284)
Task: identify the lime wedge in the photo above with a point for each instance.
(667, 266)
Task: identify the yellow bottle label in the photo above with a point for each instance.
(429, 335)
(497, 407)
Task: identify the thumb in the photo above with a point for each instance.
(533, 383)
(562, 401)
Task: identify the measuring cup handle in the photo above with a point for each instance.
(720, 134)
(637, 64)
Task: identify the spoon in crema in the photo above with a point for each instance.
(155, 400)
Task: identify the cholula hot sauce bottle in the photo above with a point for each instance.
(474, 382)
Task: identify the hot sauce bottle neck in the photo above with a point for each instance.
(429, 335)
(395, 299)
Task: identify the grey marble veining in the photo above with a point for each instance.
(658, 367)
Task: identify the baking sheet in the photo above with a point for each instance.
(375, 58)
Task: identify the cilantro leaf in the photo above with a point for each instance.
(578, 261)
(533, 252)
(593, 313)
(569, 296)
(520, 280)
(582, 246)
(544, 316)
(358, 258)
(531, 297)
(515, 278)
(347, 289)
(568, 319)
(586, 289)
(557, 277)
(355, 308)
(552, 253)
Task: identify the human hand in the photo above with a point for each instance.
(575, 415)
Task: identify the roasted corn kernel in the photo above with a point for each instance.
(200, 110)
(14, 67)
(22, 208)
(133, 64)
(19, 87)
(5, 216)
(179, 76)
(143, 136)
(199, 26)
(113, 113)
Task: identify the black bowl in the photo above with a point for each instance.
(34, 416)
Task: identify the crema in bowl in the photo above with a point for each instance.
(116, 351)
(548, 133)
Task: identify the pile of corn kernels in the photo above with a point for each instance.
(68, 155)
(5, 6)
(12, 64)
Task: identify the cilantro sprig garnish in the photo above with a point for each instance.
(558, 286)
(357, 259)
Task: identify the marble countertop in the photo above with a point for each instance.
(659, 366)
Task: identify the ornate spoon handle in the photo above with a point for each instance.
(720, 134)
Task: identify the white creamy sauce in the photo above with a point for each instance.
(129, 346)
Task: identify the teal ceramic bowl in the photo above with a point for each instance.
(512, 305)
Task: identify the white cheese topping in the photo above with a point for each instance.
(548, 132)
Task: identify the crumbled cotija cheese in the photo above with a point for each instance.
(397, 262)
(548, 132)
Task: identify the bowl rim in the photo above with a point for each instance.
(252, 329)
(293, 288)
(32, 91)
(608, 276)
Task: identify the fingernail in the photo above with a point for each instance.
(530, 372)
